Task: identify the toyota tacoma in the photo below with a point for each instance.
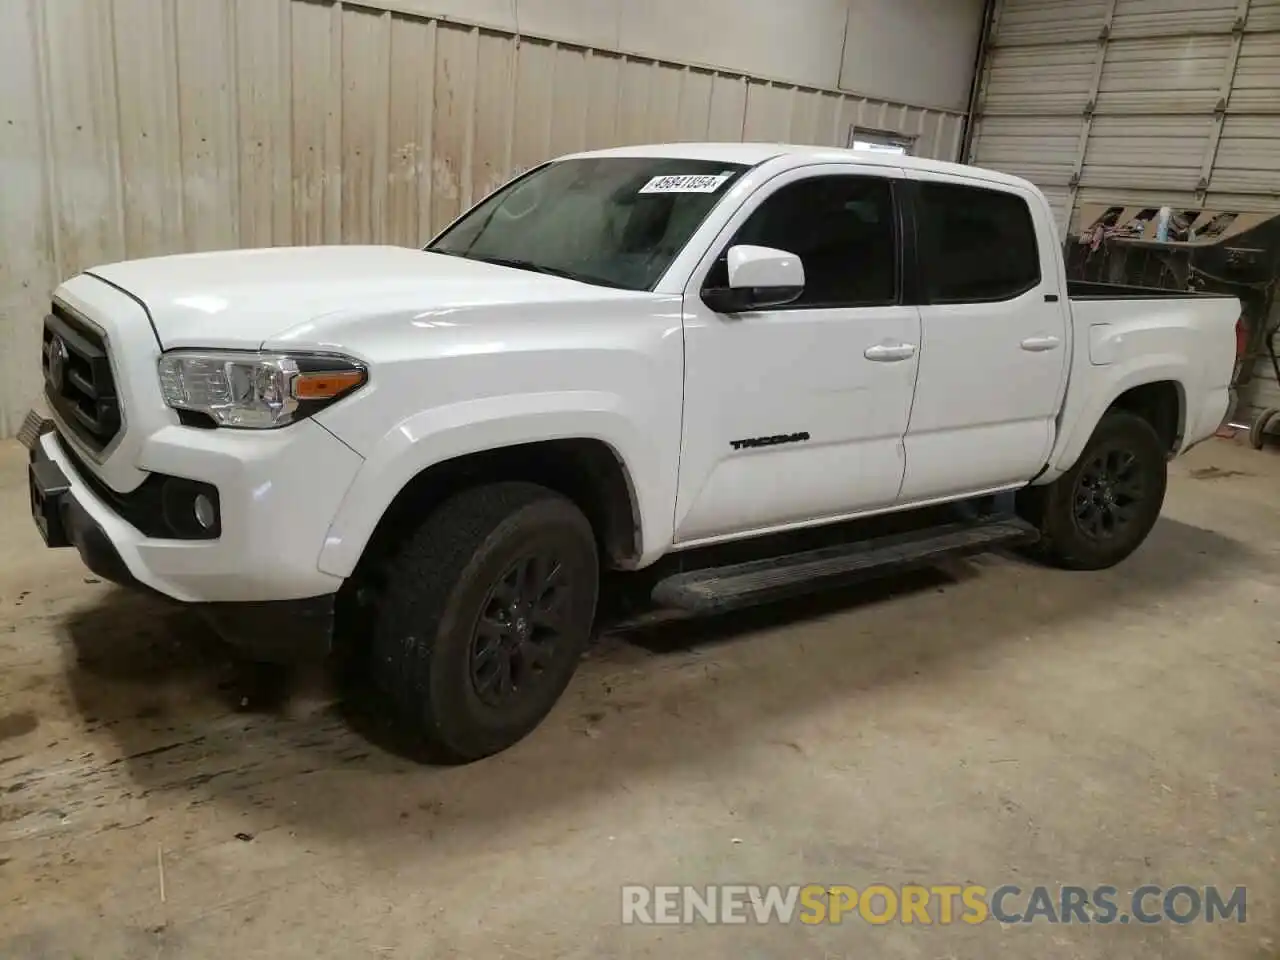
(615, 361)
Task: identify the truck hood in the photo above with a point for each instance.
(243, 298)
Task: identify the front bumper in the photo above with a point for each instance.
(245, 582)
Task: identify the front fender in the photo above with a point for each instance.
(474, 426)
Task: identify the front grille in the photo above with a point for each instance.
(77, 378)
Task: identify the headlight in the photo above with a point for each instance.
(256, 390)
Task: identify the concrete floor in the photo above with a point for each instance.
(992, 723)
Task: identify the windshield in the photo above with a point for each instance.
(613, 221)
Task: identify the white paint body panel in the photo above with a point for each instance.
(241, 299)
(465, 357)
(985, 407)
(277, 488)
(454, 381)
(1188, 341)
(776, 372)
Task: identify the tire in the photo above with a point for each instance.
(1258, 431)
(1102, 509)
(469, 661)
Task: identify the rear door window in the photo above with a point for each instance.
(975, 244)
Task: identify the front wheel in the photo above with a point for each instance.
(486, 612)
(1101, 510)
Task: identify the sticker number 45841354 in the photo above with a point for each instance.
(685, 183)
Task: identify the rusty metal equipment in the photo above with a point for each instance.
(1219, 251)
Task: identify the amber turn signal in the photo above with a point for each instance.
(326, 385)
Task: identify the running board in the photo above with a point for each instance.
(716, 589)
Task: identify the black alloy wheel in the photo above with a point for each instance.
(521, 630)
(1102, 508)
(1109, 492)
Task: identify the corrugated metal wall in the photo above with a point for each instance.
(1143, 103)
(131, 128)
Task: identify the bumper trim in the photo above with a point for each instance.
(274, 631)
(95, 547)
(64, 522)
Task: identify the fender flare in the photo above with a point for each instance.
(1079, 423)
(474, 426)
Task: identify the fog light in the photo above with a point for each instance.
(190, 509)
(205, 514)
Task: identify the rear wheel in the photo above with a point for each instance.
(487, 610)
(1258, 430)
(1102, 509)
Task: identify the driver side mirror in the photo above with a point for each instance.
(759, 277)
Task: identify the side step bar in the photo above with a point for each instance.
(716, 589)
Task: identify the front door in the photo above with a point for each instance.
(796, 415)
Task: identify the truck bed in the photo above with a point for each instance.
(1091, 290)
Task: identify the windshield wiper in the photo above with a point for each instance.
(549, 271)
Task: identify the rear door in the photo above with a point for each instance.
(993, 354)
(795, 414)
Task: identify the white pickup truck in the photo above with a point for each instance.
(617, 359)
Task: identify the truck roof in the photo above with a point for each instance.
(752, 154)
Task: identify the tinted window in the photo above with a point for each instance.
(613, 221)
(976, 244)
(843, 231)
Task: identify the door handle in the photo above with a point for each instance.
(890, 352)
(1040, 344)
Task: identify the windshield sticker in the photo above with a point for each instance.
(685, 183)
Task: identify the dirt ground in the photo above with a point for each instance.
(990, 723)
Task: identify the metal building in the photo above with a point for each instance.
(1139, 104)
(134, 128)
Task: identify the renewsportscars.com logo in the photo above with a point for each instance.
(941, 904)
